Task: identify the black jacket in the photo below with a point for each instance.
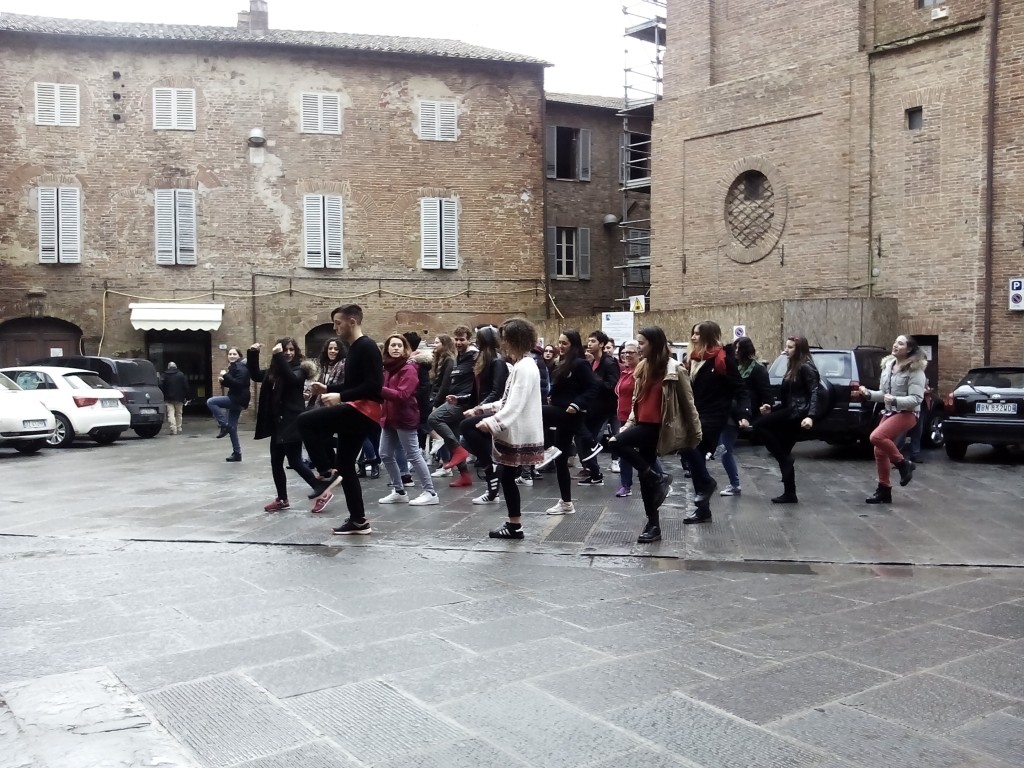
(545, 376)
(175, 387)
(364, 373)
(236, 379)
(759, 390)
(574, 385)
(800, 394)
(461, 382)
(718, 396)
(281, 399)
(492, 380)
(607, 374)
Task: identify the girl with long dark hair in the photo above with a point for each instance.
(662, 420)
(573, 387)
(440, 372)
(780, 429)
(279, 406)
(227, 408)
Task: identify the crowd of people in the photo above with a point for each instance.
(496, 398)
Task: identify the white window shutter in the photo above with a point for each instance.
(67, 103)
(163, 208)
(185, 109)
(447, 121)
(449, 233)
(313, 237)
(583, 253)
(46, 104)
(185, 215)
(334, 231)
(47, 225)
(69, 214)
(310, 113)
(552, 251)
(330, 113)
(430, 233)
(428, 120)
(551, 151)
(163, 108)
(584, 155)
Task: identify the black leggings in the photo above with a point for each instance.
(779, 431)
(293, 452)
(508, 476)
(565, 426)
(638, 445)
(478, 443)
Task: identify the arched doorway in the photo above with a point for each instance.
(25, 339)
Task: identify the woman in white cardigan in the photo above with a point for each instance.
(514, 422)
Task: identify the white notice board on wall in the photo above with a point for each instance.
(618, 325)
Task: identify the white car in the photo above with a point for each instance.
(25, 423)
(82, 403)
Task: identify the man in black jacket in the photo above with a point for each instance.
(588, 439)
(456, 396)
(352, 412)
(176, 391)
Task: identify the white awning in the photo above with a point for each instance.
(176, 317)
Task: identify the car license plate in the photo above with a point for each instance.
(1010, 408)
(147, 410)
(34, 424)
(109, 403)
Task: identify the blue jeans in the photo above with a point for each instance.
(728, 441)
(226, 413)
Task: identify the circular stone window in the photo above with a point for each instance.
(750, 208)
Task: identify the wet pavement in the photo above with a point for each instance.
(147, 621)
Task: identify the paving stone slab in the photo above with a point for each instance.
(998, 671)
(628, 639)
(374, 722)
(869, 741)
(506, 632)
(925, 702)
(902, 613)
(464, 754)
(319, 754)
(918, 648)
(801, 637)
(227, 720)
(608, 613)
(642, 758)
(703, 736)
(475, 611)
(999, 735)
(1006, 621)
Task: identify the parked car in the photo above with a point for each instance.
(987, 407)
(25, 423)
(82, 403)
(851, 418)
(134, 377)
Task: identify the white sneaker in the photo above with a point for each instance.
(442, 472)
(615, 465)
(562, 508)
(485, 498)
(395, 498)
(731, 490)
(424, 499)
(719, 452)
(527, 481)
(550, 454)
(435, 445)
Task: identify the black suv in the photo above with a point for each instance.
(136, 378)
(851, 418)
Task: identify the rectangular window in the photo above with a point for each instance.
(567, 153)
(321, 113)
(438, 121)
(634, 159)
(930, 3)
(175, 226)
(915, 118)
(439, 233)
(57, 104)
(174, 109)
(323, 236)
(569, 253)
(638, 244)
(60, 225)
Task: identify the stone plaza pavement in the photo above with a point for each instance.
(154, 615)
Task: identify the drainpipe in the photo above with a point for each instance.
(990, 160)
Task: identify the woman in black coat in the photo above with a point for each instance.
(280, 403)
(780, 429)
(227, 408)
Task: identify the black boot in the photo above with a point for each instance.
(702, 514)
(906, 468)
(882, 495)
(788, 482)
(652, 533)
(362, 470)
(234, 457)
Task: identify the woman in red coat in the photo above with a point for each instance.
(400, 420)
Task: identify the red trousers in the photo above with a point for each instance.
(886, 452)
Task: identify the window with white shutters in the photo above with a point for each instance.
(569, 253)
(174, 109)
(323, 240)
(321, 113)
(57, 104)
(567, 153)
(175, 226)
(439, 233)
(438, 121)
(60, 225)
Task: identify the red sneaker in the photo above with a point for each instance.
(322, 501)
(465, 481)
(459, 455)
(277, 505)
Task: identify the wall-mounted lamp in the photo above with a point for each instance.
(611, 220)
(256, 138)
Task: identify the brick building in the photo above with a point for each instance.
(587, 169)
(235, 183)
(822, 149)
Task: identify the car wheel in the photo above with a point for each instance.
(63, 434)
(956, 451)
(932, 432)
(30, 446)
(106, 438)
(150, 430)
